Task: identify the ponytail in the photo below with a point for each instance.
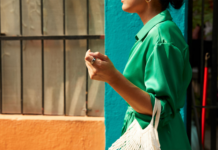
(175, 3)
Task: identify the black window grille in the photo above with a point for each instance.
(42, 38)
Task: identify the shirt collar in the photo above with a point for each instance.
(163, 16)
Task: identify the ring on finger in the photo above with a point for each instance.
(93, 60)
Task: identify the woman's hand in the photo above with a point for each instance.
(102, 69)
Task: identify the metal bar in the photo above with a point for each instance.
(206, 107)
(0, 66)
(42, 43)
(21, 29)
(196, 120)
(24, 114)
(87, 75)
(11, 113)
(1, 78)
(21, 56)
(87, 16)
(64, 17)
(213, 88)
(64, 47)
(189, 112)
(202, 51)
(42, 18)
(201, 69)
(189, 41)
(87, 79)
(74, 37)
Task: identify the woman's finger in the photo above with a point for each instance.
(89, 58)
(93, 73)
(99, 55)
(96, 64)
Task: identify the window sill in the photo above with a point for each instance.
(43, 117)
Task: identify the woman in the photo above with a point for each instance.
(158, 66)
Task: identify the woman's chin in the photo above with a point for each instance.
(126, 9)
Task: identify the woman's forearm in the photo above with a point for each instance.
(134, 96)
(103, 70)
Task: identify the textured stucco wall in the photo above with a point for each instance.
(120, 30)
(51, 133)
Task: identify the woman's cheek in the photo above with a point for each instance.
(131, 6)
(127, 5)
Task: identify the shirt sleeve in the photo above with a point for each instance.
(162, 79)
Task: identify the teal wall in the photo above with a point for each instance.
(120, 30)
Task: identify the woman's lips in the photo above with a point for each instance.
(122, 1)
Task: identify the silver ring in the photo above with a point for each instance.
(93, 60)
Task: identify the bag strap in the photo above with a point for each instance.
(157, 109)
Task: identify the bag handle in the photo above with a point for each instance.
(157, 111)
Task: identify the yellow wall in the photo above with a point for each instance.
(19, 132)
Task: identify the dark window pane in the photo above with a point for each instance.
(53, 17)
(11, 77)
(75, 77)
(53, 77)
(76, 17)
(31, 15)
(96, 88)
(10, 17)
(32, 77)
(96, 19)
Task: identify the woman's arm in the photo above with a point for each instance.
(103, 70)
(134, 96)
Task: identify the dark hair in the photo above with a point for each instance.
(175, 3)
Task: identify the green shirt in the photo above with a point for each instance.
(159, 64)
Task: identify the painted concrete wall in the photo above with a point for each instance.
(120, 30)
(51, 133)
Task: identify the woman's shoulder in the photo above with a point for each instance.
(167, 32)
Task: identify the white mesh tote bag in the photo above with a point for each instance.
(136, 138)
